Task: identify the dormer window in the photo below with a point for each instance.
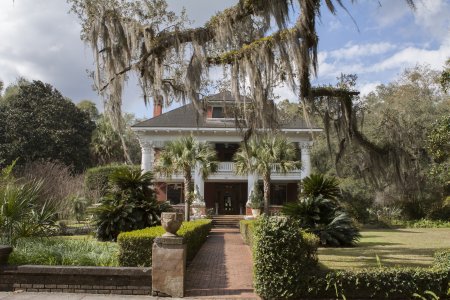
(217, 112)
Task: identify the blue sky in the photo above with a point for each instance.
(40, 40)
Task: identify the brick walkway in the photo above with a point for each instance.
(222, 268)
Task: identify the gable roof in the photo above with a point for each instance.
(187, 116)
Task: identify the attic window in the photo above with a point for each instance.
(217, 112)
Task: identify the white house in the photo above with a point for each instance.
(224, 192)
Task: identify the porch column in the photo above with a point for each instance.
(251, 179)
(147, 156)
(306, 158)
(198, 181)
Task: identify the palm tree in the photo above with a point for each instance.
(261, 155)
(182, 156)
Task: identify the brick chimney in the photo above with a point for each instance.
(157, 106)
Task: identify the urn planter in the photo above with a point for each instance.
(171, 222)
(256, 212)
(5, 251)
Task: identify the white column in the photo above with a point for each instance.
(198, 181)
(251, 179)
(306, 158)
(147, 156)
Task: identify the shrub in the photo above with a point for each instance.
(59, 184)
(284, 257)
(63, 251)
(96, 179)
(135, 247)
(21, 212)
(130, 204)
(325, 218)
(442, 260)
(247, 228)
(377, 283)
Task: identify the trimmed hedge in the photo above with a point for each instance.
(135, 247)
(284, 264)
(247, 228)
(283, 257)
(96, 179)
(378, 283)
(442, 259)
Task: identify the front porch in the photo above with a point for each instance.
(227, 198)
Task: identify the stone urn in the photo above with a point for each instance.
(256, 212)
(5, 251)
(171, 222)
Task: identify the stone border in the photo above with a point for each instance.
(75, 279)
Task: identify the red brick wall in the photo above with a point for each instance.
(209, 112)
(160, 189)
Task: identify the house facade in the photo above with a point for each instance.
(224, 192)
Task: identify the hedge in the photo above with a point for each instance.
(284, 266)
(283, 257)
(378, 283)
(135, 247)
(246, 228)
(96, 179)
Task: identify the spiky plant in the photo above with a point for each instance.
(318, 210)
(129, 204)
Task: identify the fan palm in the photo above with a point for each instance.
(263, 154)
(317, 184)
(181, 156)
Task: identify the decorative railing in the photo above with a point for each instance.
(225, 166)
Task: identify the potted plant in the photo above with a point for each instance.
(256, 201)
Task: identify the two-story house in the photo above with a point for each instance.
(224, 192)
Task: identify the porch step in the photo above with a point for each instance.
(226, 220)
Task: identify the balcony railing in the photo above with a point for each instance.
(226, 166)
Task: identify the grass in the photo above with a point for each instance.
(67, 251)
(412, 247)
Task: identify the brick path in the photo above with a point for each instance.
(222, 268)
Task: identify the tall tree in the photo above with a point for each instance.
(181, 156)
(264, 154)
(90, 108)
(40, 124)
(263, 42)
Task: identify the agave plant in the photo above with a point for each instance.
(129, 204)
(318, 211)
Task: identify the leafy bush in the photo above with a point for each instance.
(324, 218)
(284, 257)
(377, 283)
(135, 247)
(318, 210)
(442, 260)
(384, 215)
(424, 223)
(63, 251)
(59, 184)
(247, 228)
(130, 204)
(96, 179)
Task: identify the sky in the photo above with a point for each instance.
(376, 40)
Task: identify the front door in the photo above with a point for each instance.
(228, 196)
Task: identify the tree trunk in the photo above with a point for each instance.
(266, 182)
(187, 194)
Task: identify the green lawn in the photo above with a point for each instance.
(397, 247)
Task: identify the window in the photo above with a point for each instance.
(175, 193)
(278, 194)
(217, 112)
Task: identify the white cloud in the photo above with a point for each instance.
(351, 51)
(368, 87)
